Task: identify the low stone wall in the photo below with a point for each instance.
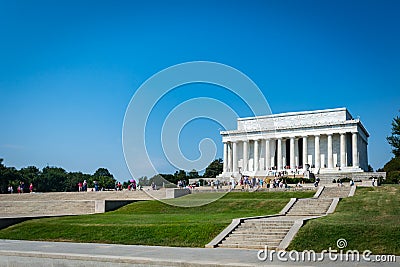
(176, 192)
(102, 206)
(356, 176)
(16, 208)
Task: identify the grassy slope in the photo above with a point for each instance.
(369, 220)
(155, 223)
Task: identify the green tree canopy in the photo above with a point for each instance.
(394, 139)
(104, 177)
(193, 174)
(392, 169)
(103, 172)
(51, 179)
(214, 169)
(392, 165)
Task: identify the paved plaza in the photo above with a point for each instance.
(35, 253)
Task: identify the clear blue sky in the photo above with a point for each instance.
(68, 69)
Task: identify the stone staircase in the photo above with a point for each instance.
(336, 191)
(257, 233)
(310, 207)
(277, 231)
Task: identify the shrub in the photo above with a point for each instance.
(392, 177)
(297, 180)
(392, 165)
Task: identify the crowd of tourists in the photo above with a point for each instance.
(20, 188)
(246, 183)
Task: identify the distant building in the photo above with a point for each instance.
(329, 140)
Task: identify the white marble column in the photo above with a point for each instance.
(292, 161)
(305, 154)
(267, 155)
(279, 154)
(245, 155)
(229, 156)
(343, 162)
(256, 155)
(330, 151)
(355, 149)
(225, 166)
(317, 153)
(234, 157)
(296, 152)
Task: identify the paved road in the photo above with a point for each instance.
(35, 253)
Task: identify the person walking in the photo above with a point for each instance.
(80, 187)
(96, 186)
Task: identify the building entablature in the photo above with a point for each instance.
(296, 132)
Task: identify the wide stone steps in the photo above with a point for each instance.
(335, 192)
(249, 246)
(258, 233)
(265, 225)
(309, 207)
(252, 237)
(262, 230)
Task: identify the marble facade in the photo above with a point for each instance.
(328, 140)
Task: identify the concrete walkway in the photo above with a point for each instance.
(35, 253)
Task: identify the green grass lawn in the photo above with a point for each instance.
(156, 223)
(369, 220)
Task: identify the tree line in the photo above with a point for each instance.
(51, 179)
(392, 168)
(166, 180)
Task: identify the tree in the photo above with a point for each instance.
(394, 139)
(52, 179)
(392, 169)
(214, 169)
(3, 181)
(181, 176)
(370, 169)
(169, 178)
(103, 172)
(160, 181)
(8, 176)
(144, 181)
(104, 177)
(392, 165)
(73, 178)
(194, 174)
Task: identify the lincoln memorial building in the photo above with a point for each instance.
(329, 141)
